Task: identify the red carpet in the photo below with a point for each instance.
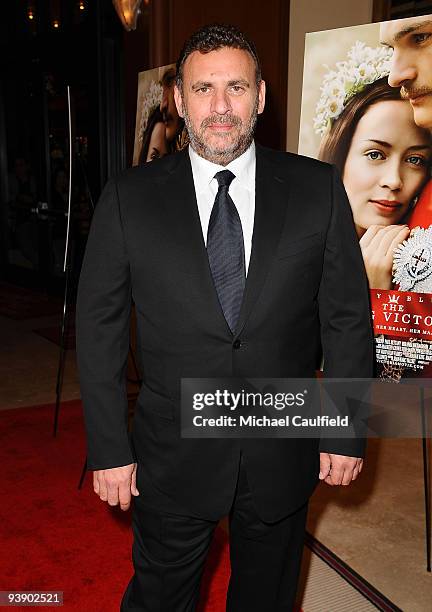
(57, 538)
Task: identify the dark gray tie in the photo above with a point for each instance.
(225, 249)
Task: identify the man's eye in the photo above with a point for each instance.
(420, 38)
(236, 88)
(203, 89)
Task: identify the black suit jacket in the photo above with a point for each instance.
(306, 288)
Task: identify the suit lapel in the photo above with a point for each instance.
(271, 194)
(184, 223)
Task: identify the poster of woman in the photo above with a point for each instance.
(158, 128)
(355, 117)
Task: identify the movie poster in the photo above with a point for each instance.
(361, 112)
(158, 128)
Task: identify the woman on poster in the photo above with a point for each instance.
(384, 158)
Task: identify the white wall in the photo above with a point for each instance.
(313, 16)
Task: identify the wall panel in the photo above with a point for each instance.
(267, 24)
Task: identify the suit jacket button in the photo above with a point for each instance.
(236, 344)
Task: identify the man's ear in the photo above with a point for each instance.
(178, 101)
(261, 96)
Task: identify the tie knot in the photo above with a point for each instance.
(224, 178)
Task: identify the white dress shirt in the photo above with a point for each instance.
(241, 190)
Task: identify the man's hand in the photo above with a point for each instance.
(116, 485)
(338, 469)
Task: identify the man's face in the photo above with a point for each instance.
(168, 107)
(411, 66)
(220, 102)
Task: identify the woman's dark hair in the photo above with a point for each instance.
(154, 118)
(214, 37)
(335, 145)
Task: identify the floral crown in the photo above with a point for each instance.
(152, 98)
(364, 66)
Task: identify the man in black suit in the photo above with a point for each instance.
(242, 262)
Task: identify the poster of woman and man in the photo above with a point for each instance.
(367, 109)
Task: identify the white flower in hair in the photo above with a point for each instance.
(334, 89)
(149, 101)
(335, 107)
(364, 65)
(364, 72)
(359, 52)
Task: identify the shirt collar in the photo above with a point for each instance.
(243, 167)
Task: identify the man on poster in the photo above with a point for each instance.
(411, 70)
(242, 262)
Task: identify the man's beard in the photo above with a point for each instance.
(222, 155)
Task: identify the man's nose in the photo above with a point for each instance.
(220, 103)
(401, 70)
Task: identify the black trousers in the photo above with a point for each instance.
(169, 552)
